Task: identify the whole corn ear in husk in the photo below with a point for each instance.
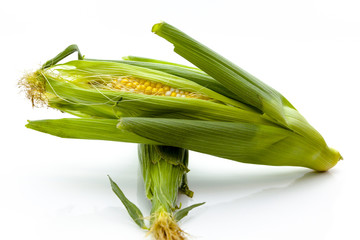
(164, 173)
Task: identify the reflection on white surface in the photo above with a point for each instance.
(242, 201)
(299, 206)
(264, 204)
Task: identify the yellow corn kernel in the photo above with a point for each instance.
(159, 85)
(166, 88)
(124, 81)
(148, 90)
(147, 83)
(129, 85)
(173, 94)
(153, 84)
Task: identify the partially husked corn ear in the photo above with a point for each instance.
(113, 90)
(40, 83)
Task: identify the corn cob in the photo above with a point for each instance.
(164, 174)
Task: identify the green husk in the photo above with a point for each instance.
(67, 51)
(247, 87)
(185, 211)
(163, 168)
(244, 85)
(243, 142)
(132, 209)
(87, 128)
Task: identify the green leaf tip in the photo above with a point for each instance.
(67, 51)
(156, 27)
(132, 209)
(184, 212)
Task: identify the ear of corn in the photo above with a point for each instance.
(115, 75)
(163, 169)
(80, 91)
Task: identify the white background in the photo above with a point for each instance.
(53, 188)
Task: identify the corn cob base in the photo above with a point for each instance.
(165, 227)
